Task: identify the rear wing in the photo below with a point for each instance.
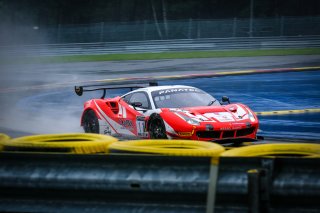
(79, 90)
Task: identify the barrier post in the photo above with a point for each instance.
(212, 185)
(254, 190)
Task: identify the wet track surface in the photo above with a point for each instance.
(59, 110)
(40, 98)
(271, 92)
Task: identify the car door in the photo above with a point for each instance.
(138, 105)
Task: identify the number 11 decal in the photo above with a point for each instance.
(141, 126)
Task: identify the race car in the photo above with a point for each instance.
(167, 112)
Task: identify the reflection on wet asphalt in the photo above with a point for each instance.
(269, 92)
(60, 110)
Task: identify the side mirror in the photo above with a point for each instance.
(78, 90)
(136, 104)
(225, 99)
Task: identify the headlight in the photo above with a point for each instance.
(193, 122)
(188, 119)
(251, 116)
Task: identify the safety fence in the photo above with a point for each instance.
(156, 46)
(133, 180)
(172, 29)
(145, 183)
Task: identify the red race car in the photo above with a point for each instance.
(173, 112)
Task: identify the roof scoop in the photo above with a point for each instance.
(233, 109)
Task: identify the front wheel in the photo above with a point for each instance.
(157, 129)
(90, 122)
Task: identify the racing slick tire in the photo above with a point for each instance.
(78, 143)
(156, 127)
(90, 122)
(169, 147)
(280, 149)
(3, 138)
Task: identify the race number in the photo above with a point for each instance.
(141, 126)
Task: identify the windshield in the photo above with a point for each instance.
(182, 97)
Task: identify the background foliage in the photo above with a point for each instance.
(55, 12)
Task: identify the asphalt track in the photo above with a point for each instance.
(39, 98)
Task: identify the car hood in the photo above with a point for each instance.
(227, 113)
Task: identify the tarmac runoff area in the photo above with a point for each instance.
(19, 81)
(56, 75)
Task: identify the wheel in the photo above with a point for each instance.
(157, 130)
(90, 122)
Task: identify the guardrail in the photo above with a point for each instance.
(259, 185)
(209, 44)
(151, 183)
(102, 183)
(161, 30)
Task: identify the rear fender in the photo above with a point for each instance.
(90, 105)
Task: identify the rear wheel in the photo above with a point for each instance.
(157, 129)
(90, 122)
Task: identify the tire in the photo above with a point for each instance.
(90, 122)
(3, 138)
(79, 143)
(157, 129)
(169, 147)
(281, 149)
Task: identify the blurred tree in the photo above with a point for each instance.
(55, 12)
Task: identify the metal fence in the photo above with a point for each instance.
(149, 30)
(212, 44)
(144, 183)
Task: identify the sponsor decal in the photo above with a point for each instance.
(220, 116)
(234, 126)
(226, 128)
(126, 123)
(177, 90)
(107, 131)
(141, 126)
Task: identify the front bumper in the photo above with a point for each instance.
(203, 134)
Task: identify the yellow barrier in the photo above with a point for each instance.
(80, 143)
(288, 112)
(294, 149)
(3, 138)
(170, 147)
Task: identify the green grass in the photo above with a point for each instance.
(174, 55)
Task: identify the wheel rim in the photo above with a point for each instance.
(91, 123)
(158, 129)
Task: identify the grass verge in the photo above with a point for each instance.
(172, 55)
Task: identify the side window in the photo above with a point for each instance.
(142, 98)
(127, 98)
